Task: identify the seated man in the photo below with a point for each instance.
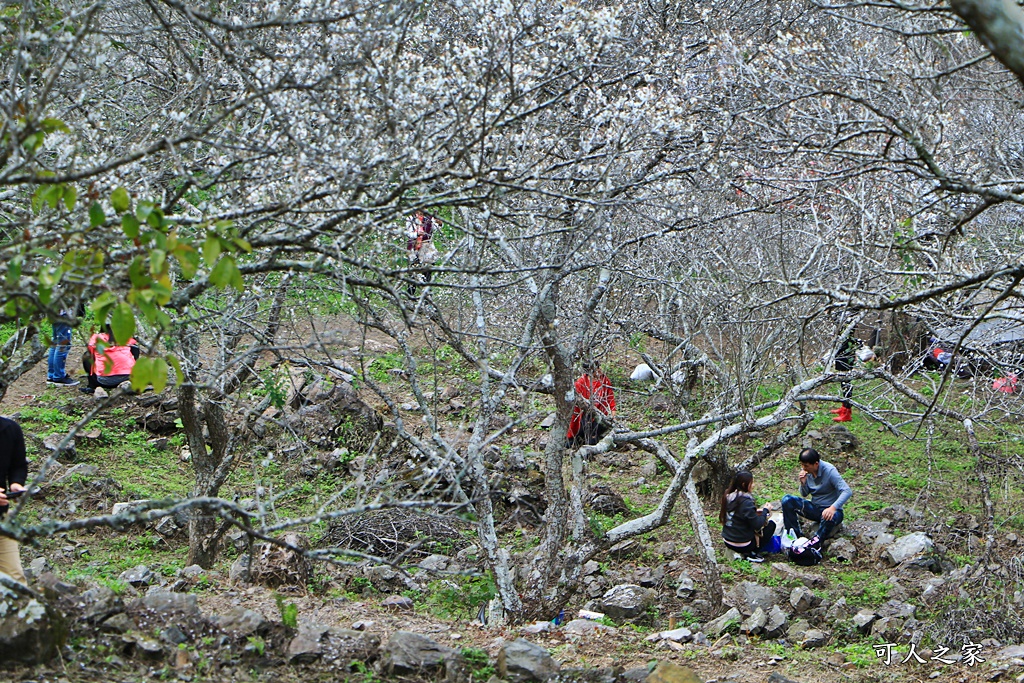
(821, 481)
(106, 364)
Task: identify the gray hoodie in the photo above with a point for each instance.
(828, 488)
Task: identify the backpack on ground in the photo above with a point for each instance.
(805, 554)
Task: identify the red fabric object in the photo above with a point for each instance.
(113, 360)
(1007, 384)
(844, 415)
(936, 352)
(599, 391)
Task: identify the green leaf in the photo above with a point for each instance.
(96, 215)
(157, 261)
(130, 226)
(242, 244)
(52, 195)
(122, 322)
(142, 374)
(34, 141)
(70, 195)
(101, 306)
(188, 259)
(211, 249)
(14, 272)
(159, 378)
(223, 274)
(176, 364)
(50, 125)
(143, 210)
(120, 200)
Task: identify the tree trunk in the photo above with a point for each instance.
(712, 577)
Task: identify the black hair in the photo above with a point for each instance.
(741, 481)
(809, 456)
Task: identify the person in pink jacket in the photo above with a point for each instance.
(106, 364)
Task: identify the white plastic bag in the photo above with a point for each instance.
(865, 354)
(642, 372)
(789, 538)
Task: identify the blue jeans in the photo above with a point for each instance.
(794, 506)
(58, 351)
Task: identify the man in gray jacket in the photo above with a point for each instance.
(828, 492)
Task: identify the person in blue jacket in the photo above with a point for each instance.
(828, 493)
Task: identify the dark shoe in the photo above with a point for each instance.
(87, 390)
(754, 557)
(66, 381)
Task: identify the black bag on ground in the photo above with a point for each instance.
(805, 556)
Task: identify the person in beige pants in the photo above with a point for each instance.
(13, 473)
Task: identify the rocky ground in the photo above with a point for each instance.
(896, 579)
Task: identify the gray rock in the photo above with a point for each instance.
(586, 627)
(667, 549)
(842, 549)
(717, 626)
(523, 661)
(173, 636)
(138, 577)
(52, 442)
(626, 601)
(790, 574)
(802, 599)
(650, 578)
(837, 610)
(677, 635)
(239, 572)
(146, 647)
(756, 622)
(887, 628)
(776, 624)
(547, 422)
(240, 622)
(164, 602)
(305, 647)
(412, 654)
(31, 631)
(797, 630)
(119, 623)
(591, 568)
(839, 438)
(685, 586)
(127, 507)
(930, 589)
(98, 603)
(863, 620)
(748, 596)
(38, 567)
(814, 638)
(907, 547)
(398, 602)
(537, 627)
(436, 563)
(315, 641)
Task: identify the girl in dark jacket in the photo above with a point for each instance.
(742, 521)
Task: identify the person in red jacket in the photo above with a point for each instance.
(106, 364)
(595, 386)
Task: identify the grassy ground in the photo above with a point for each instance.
(933, 473)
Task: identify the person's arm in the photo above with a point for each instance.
(747, 511)
(844, 490)
(611, 396)
(134, 348)
(805, 490)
